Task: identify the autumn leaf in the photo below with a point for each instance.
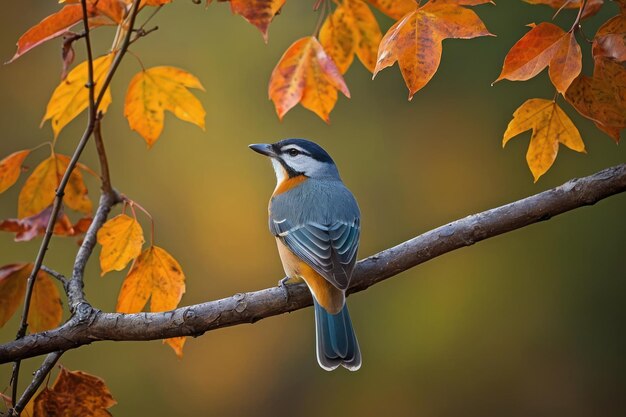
(121, 238)
(396, 9)
(158, 276)
(544, 45)
(74, 393)
(610, 39)
(45, 309)
(101, 12)
(306, 75)
(550, 126)
(351, 28)
(155, 90)
(12, 287)
(258, 12)
(28, 228)
(415, 41)
(10, 168)
(71, 96)
(40, 187)
(602, 98)
(591, 7)
(177, 344)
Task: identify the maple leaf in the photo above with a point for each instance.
(591, 7)
(28, 228)
(260, 13)
(10, 168)
(415, 41)
(351, 28)
(396, 9)
(155, 90)
(610, 39)
(550, 126)
(544, 45)
(12, 287)
(45, 310)
(602, 98)
(74, 393)
(39, 190)
(158, 276)
(71, 96)
(306, 74)
(100, 12)
(121, 238)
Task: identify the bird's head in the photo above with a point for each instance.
(294, 157)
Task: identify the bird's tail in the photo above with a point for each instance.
(336, 341)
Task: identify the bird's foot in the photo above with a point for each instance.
(283, 285)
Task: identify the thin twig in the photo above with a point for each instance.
(105, 174)
(120, 53)
(58, 200)
(253, 306)
(54, 274)
(38, 378)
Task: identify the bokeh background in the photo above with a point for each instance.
(526, 324)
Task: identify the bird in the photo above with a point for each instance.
(316, 222)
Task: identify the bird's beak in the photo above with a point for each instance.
(263, 149)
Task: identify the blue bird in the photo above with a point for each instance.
(316, 222)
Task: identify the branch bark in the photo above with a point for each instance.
(253, 306)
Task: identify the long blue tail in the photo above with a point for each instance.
(336, 341)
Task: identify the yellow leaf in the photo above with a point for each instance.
(71, 97)
(12, 287)
(46, 309)
(40, 187)
(550, 126)
(10, 168)
(177, 344)
(121, 239)
(155, 90)
(154, 274)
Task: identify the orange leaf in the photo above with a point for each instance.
(591, 7)
(28, 228)
(258, 12)
(545, 44)
(71, 96)
(40, 187)
(154, 274)
(10, 168)
(603, 97)
(177, 344)
(12, 287)
(610, 39)
(46, 309)
(550, 126)
(121, 239)
(351, 28)
(74, 393)
(100, 12)
(396, 9)
(415, 40)
(155, 90)
(307, 75)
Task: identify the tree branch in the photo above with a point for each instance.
(253, 306)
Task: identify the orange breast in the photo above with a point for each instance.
(289, 183)
(326, 294)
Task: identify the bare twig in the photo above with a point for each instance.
(54, 274)
(105, 175)
(253, 306)
(38, 378)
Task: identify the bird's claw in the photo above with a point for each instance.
(283, 285)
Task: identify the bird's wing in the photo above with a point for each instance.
(329, 249)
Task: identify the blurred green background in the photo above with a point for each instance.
(526, 324)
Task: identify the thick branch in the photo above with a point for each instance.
(253, 306)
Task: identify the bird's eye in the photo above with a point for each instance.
(293, 152)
